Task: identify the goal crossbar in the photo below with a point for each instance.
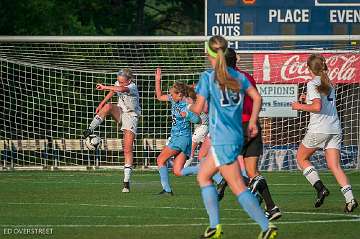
(258, 38)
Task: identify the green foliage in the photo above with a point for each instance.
(98, 17)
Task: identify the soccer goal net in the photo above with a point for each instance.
(48, 96)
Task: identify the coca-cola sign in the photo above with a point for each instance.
(292, 68)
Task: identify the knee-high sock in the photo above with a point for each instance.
(127, 172)
(311, 175)
(259, 184)
(190, 170)
(164, 178)
(347, 192)
(211, 203)
(251, 205)
(96, 122)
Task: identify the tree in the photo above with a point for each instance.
(99, 17)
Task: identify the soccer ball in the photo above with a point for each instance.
(93, 142)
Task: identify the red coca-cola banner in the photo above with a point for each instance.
(285, 68)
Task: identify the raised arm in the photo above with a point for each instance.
(112, 88)
(159, 95)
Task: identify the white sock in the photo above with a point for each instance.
(188, 162)
(127, 172)
(347, 191)
(95, 122)
(311, 175)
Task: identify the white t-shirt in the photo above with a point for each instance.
(129, 101)
(326, 121)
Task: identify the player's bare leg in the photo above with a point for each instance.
(223, 184)
(108, 109)
(204, 149)
(179, 164)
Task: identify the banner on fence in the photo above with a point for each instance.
(291, 68)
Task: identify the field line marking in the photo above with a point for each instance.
(176, 225)
(137, 183)
(168, 207)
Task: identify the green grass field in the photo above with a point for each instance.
(91, 205)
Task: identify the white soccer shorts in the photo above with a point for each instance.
(129, 121)
(200, 133)
(324, 141)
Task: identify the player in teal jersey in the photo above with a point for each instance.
(223, 89)
(179, 145)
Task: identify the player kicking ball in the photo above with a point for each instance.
(126, 111)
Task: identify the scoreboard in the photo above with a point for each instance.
(274, 70)
(282, 17)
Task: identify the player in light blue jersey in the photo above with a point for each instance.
(223, 89)
(179, 145)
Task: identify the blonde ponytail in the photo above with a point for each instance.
(317, 64)
(218, 46)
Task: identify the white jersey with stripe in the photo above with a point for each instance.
(326, 121)
(129, 101)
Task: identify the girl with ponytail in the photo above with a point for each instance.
(179, 145)
(324, 131)
(223, 89)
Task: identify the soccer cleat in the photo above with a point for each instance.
(350, 206)
(324, 192)
(273, 214)
(270, 233)
(220, 188)
(87, 132)
(214, 233)
(126, 188)
(164, 193)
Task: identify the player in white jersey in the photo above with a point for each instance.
(324, 131)
(201, 130)
(126, 111)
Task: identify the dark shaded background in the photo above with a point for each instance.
(102, 17)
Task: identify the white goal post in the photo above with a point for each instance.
(48, 94)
